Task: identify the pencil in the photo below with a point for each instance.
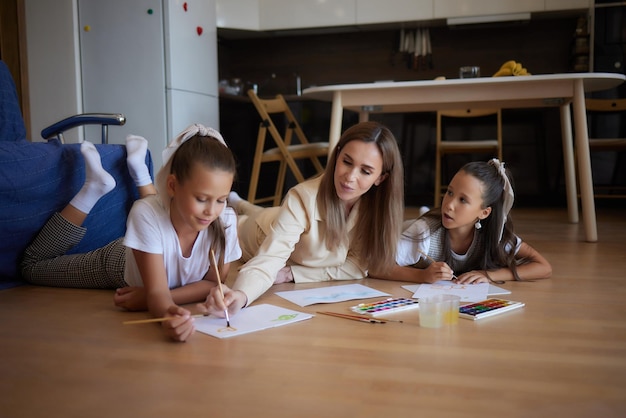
(219, 283)
(432, 260)
(355, 317)
(163, 319)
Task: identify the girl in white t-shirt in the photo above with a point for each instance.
(163, 260)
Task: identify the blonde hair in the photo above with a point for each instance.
(381, 208)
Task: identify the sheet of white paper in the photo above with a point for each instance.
(493, 290)
(467, 292)
(330, 294)
(250, 319)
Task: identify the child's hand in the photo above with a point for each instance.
(131, 298)
(438, 270)
(472, 277)
(181, 326)
(233, 300)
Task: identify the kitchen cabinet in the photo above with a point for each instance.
(156, 62)
(461, 8)
(239, 14)
(553, 5)
(262, 15)
(291, 14)
(375, 11)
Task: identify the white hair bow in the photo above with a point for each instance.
(509, 196)
(184, 136)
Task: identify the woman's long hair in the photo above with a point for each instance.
(381, 208)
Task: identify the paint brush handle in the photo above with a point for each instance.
(219, 283)
(354, 317)
(151, 320)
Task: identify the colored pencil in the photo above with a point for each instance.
(219, 283)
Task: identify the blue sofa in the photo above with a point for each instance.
(40, 178)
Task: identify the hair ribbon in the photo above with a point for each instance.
(168, 153)
(508, 197)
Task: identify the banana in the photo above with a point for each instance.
(511, 68)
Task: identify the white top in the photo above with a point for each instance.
(150, 229)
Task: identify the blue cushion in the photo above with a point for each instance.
(38, 179)
(11, 122)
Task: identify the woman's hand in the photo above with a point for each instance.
(233, 300)
(437, 271)
(181, 326)
(472, 277)
(131, 298)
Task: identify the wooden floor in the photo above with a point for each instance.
(65, 353)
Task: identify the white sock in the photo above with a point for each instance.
(136, 149)
(233, 200)
(242, 206)
(97, 181)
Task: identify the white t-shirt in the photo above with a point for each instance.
(150, 229)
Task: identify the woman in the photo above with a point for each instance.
(339, 226)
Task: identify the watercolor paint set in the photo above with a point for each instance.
(385, 306)
(487, 308)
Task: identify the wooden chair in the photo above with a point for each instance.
(445, 146)
(609, 117)
(281, 148)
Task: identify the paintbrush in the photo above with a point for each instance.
(355, 317)
(219, 284)
(359, 316)
(163, 319)
(432, 260)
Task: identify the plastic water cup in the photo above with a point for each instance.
(439, 310)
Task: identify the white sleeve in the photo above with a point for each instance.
(143, 229)
(518, 244)
(414, 243)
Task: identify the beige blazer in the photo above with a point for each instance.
(295, 236)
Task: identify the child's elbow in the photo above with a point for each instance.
(546, 272)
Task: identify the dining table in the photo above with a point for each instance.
(566, 91)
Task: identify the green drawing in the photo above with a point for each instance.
(285, 317)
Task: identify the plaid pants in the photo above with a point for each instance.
(46, 263)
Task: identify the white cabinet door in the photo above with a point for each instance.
(377, 11)
(122, 67)
(293, 14)
(186, 108)
(191, 46)
(462, 8)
